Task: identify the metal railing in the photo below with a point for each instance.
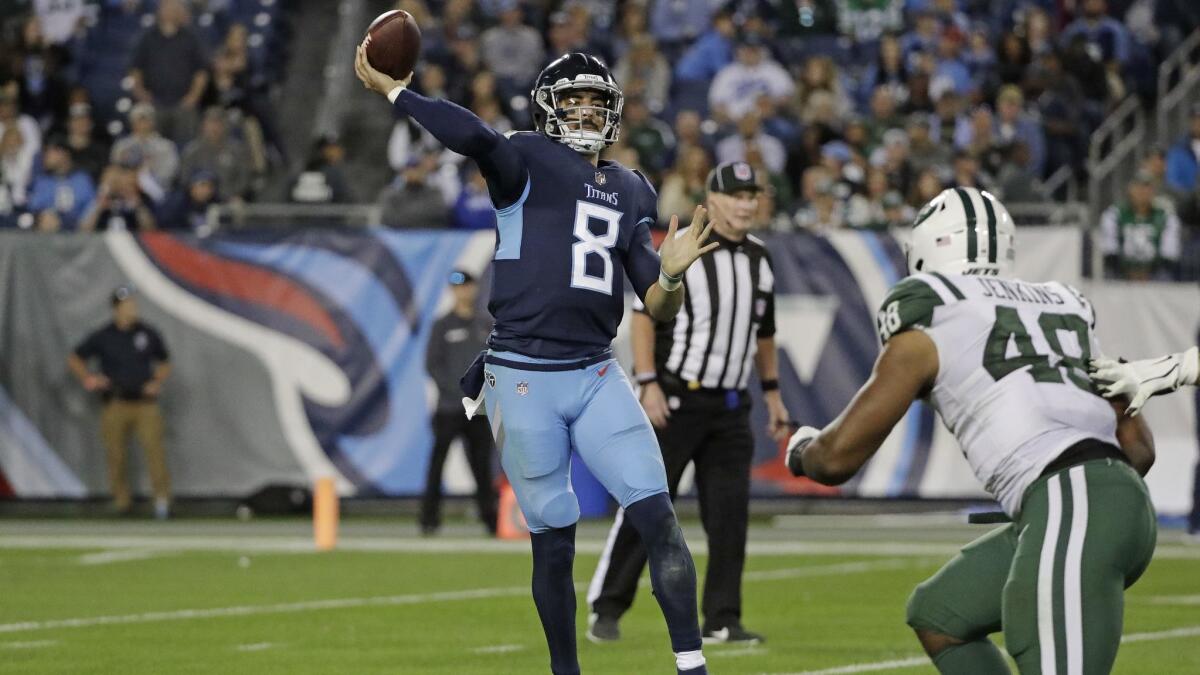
(339, 67)
(1178, 89)
(1113, 154)
(264, 216)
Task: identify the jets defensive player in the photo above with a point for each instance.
(570, 228)
(1004, 364)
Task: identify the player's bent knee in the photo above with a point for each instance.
(561, 510)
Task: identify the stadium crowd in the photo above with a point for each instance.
(134, 114)
(854, 112)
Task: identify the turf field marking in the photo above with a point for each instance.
(32, 644)
(498, 649)
(751, 650)
(304, 545)
(917, 661)
(119, 555)
(392, 600)
(1175, 600)
(254, 647)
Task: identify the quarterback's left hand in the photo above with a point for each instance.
(678, 253)
(796, 445)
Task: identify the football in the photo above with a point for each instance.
(393, 43)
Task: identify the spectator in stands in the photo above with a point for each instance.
(866, 210)
(412, 201)
(217, 151)
(708, 55)
(924, 36)
(979, 56)
(884, 115)
(89, 146)
(1140, 240)
(1098, 83)
(120, 203)
(689, 131)
(1062, 110)
(923, 152)
(820, 76)
(512, 50)
(1014, 125)
(825, 213)
(975, 135)
(684, 185)
(969, 173)
(322, 181)
(677, 22)
(927, 186)
(632, 23)
(16, 166)
(187, 208)
(799, 19)
(38, 65)
(866, 21)
(776, 194)
(752, 74)
(1183, 159)
(61, 20)
(1100, 32)
(159, 155)
(473, 208)
(948, 107)
(60, 187)
(11, 116)
(1013, 61)
(648, 135)
(1038, 31)
(733, 148)
(644, 72)
(892, 158)
(888, 70)
(170, 69)
(1014, 183)
(950, 64)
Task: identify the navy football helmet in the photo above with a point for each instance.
(572, 73)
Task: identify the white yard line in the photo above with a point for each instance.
(498, 649)
(1174, 600)
(120, 555)
(714, 653)
(393, 600)
(31, 644)
(254, 647)
(922, 661)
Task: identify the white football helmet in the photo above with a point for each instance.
(963, 231)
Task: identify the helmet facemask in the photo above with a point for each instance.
(567, 123)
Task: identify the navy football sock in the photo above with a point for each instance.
(672, 573)
(554, 595)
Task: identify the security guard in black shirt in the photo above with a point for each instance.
(133, 366)
(454, 342)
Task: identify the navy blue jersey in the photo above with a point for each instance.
(564, 249)
(569, 233)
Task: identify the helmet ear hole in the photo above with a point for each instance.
(919, 265)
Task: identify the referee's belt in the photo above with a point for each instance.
(679, 387)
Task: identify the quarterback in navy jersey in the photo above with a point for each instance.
(570, 229)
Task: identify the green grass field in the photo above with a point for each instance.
(209, 596)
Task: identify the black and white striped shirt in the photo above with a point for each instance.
(729, 302)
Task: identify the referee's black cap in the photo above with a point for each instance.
(730, 177)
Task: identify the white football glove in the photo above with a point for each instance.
(1140, 380)
(796, 445)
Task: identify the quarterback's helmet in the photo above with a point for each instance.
(573, 72)
(962, 231)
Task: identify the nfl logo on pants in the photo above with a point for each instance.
(522, 388)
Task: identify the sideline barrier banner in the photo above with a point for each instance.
(300, 354)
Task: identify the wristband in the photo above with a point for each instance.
(395, 93)
(770, 385)
(646, 378)
(668, 282)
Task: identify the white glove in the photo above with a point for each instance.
(796, 445)
(1142, 379)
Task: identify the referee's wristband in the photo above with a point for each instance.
(770, 385)
(668, 282)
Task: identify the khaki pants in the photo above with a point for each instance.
(143, 418)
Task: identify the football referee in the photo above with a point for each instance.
(693, 373)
